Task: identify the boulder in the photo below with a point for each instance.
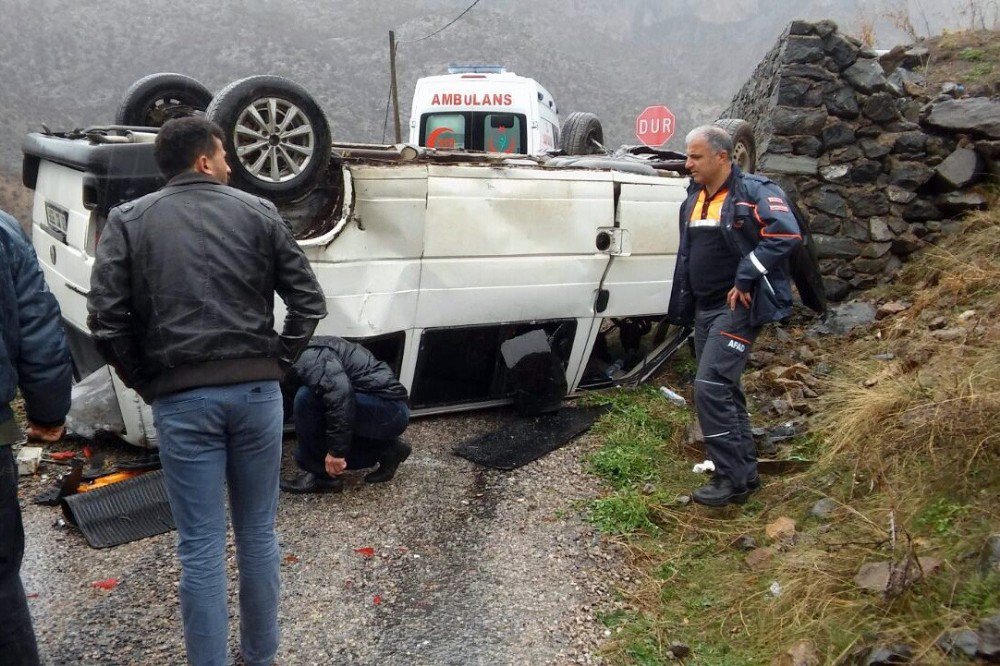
(824, 224)
(888, 655)
(879, 231)
(866, 204)
(876, 576)
(802, 653)
(841, 50)
(807, 145)
(905, 82)
(841, 101)
(781, 531)
(814, 72)
(759, 558)
(866, 75)
(829, 201)
(881, 108)
(836, 246)
(836, 173)
(848, 154)
(916, 56)
(865, 172)
(989, 557)
(871, 266)
(976, 115)
(856, 229)
(909, 175)
(921, 210)
(880, 146)
(892, 59)
(848, 316)
(792, 120)
(836, 289)
(989, 638)
(803, 49)
(898, 195)
(906, 244)
(912, 144)
(788, 164)
(956, 203)
(960, 169)
(799, 27)
(779, 145)
(964, 642)
(838, 134)
(877, 251)
(826, 27)
(824, 508)
(798, 92)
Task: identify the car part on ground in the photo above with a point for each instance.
(744, 144)
(157, 98)
(277, 136)
(582, 134)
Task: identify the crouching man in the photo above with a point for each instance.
(349, 411)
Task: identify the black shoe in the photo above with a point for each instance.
(307, 482)
(389, 461)
(719, 492)
(753, 485)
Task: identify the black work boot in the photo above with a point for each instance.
(719, 492)
(307, 482)
(753, 485)
(389, 461)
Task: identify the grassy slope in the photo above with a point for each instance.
(908, 450)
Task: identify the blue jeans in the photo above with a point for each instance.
(213, 438)
(17, 639)
(377, 422)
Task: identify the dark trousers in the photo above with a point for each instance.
(377, 423)
(17, 638)
(722, 339)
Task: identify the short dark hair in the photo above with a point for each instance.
(181, 141)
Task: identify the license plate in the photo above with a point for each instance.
(56, 221)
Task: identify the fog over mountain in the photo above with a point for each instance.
(66, 63)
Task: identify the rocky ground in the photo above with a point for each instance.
(448, 564)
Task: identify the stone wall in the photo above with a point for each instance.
(880, 164)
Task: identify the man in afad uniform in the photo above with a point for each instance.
(737, 231)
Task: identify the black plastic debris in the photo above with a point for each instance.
(536, 374)
(121, 512)
(519, 440)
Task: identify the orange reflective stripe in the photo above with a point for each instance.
(735, 337)
(763, 226)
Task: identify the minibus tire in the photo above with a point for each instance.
(157, 98)
(579, 132)
(282, 159)
(744, 143)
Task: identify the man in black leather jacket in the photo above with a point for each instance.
(349, 412)
(181, 305)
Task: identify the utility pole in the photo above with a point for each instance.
(395, 91)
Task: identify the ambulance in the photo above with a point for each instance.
(484, 108)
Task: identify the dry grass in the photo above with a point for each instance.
(909, 449)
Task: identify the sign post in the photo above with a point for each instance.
(655, 125)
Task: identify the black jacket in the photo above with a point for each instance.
(758, 225)
(182, 291)
(33, 352)
(334, 369)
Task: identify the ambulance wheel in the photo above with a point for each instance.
(157, 98)
(582, 134)
(744, 144)
(277, 136)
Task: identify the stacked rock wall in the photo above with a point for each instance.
(878, 164)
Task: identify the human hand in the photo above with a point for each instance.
(335, 466)
(45, 434)
(735, 295)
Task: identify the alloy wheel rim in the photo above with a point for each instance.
(274, 140)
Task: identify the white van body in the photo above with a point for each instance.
(430, 264)
(496, 112)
